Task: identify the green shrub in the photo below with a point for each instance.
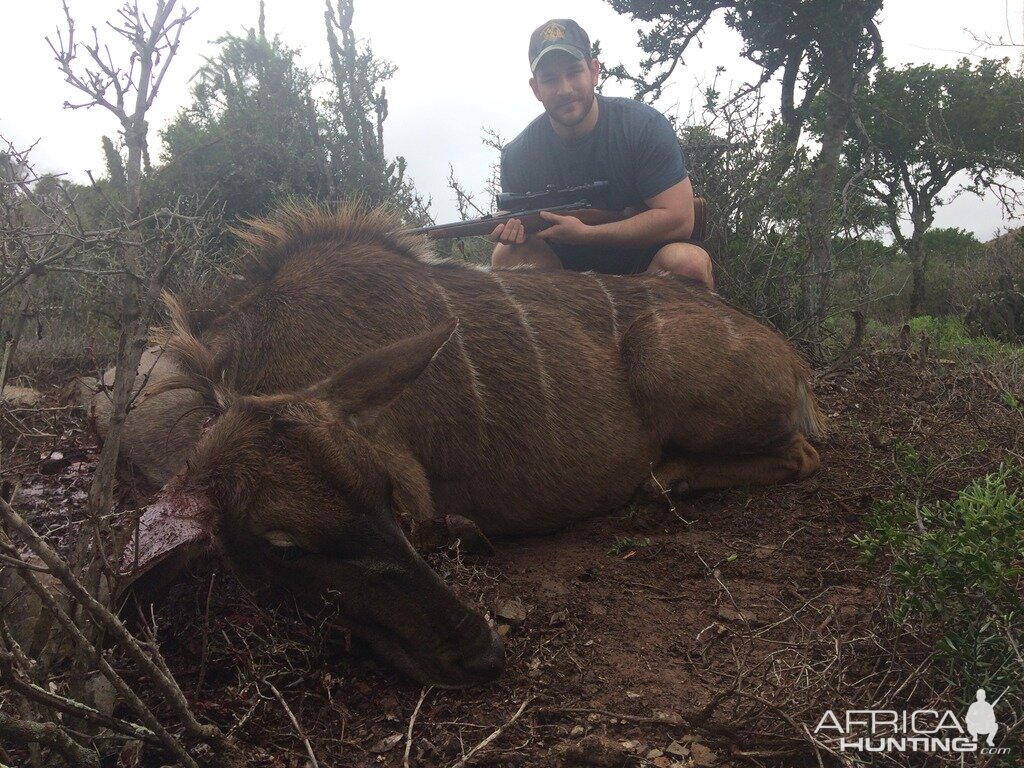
(945, 331)
(957, 574)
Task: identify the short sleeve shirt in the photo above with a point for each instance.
(632, 147)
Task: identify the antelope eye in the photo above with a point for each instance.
(282, 546)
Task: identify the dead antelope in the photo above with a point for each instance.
(352, 380)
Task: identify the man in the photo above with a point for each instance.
(581, 138)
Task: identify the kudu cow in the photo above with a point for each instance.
(353, 381)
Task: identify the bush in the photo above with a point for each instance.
(956, 574)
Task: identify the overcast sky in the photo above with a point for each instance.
(462, 67)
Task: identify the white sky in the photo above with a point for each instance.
(461, 67)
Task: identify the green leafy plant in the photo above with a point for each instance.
(1010, 401)
(956, 573)
(626, 543)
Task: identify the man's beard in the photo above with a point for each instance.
(572, 123)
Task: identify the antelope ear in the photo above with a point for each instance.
(172, 532)
(363, 389)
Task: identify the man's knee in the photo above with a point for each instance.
(685, 260)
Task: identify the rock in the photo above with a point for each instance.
(513, 611)
(100, 692)
(728, 613)
(21, 397)
(701, 756)
(33, 626)
(387, 743)
(594, 750)
(677, 749)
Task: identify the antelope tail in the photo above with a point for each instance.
(809, 418)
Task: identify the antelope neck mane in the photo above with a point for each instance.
(304, 232)
(270, 242)
(293, 235)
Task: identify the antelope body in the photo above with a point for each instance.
(352, 379)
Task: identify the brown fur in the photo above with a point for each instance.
(690, 373)
(348, 395)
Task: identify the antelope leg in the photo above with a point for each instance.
(794, 461)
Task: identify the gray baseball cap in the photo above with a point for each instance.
(558, 35)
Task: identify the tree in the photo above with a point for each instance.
(921, 126)
(953, 244)
(251, 134)
(255, 135)
(354, 122)
(40, 231)
(822, 48)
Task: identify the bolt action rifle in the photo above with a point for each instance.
(578, 202)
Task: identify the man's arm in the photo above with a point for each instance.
(669, 218)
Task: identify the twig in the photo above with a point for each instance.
(688, 718)
(497, 732)
(77, 709)
(28, 732)
(168, 686)
(295, 723)
(201, 676)
(412, 721)
(801, 731)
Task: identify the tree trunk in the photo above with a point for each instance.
(817, 282)
(919, 272)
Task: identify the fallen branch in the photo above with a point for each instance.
(497, 732)
(70, 706)
(412, 722)
(28, 732)
(295, 723)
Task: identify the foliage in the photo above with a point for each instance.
(627, 543)
(953, 244)
(821, 47)
(255, 135)
(797, 37)
(250, 134)
(943, 331)
(923, 125)
(957, 571)
(352, 120)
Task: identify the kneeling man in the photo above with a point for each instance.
(581, 138)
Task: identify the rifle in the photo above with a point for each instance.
(527, 207)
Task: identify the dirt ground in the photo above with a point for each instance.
(710, 632)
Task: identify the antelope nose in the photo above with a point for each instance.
(489, 662)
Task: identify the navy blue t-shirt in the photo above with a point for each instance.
(632, 147)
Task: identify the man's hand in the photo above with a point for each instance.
(511, 232)
(564, 229)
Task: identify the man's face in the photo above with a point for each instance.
(565, 86)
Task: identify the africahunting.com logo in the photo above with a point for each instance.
(920, 730)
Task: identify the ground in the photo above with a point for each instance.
(716, 630)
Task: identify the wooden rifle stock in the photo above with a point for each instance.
(533, 222)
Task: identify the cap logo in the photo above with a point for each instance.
(553, 32)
